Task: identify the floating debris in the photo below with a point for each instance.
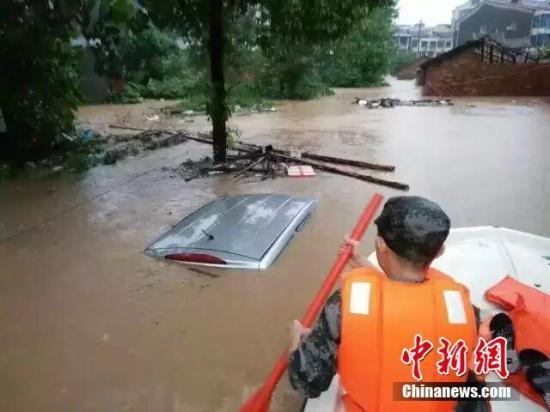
(388, 103)
(300, 171)
(119, 146)
(265, 162)
(152, 118)
(178, 110)
(246, 159)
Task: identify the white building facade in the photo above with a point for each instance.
(424, 41)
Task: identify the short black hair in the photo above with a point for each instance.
(414, 228)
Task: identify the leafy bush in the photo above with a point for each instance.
(244, 94)
(196, 102)
(132, 93)
(38, 77)
(363, 57)
(80, 155)
(290, 71)
(151, 54)
(170, 88)
(298, 70)
(6, 171)
(402, 60)
(155, 66)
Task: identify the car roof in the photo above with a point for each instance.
(240, 228)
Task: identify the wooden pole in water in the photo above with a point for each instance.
(349, 162)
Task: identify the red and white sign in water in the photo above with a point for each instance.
(300, 171)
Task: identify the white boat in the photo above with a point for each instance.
(479, 257)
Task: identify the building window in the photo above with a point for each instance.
(440, 44)
(540, 40)
(414, 44)
(448, 44)
(404, 41)
(512, 26)
(433, 45)
(424, 45)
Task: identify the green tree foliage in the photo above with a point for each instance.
(206, 21)
(290, 70)
(38, 75)
(128, 47)
(295, 69)
(361, 58)
(156, 66)
(38, 67)
(108, 26)
(402, 60)
(151, 54)
(273, 47)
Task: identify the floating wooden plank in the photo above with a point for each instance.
(253, 149)
(247, 155)
(349, 162)
(141, 129)
(250, 166)
(323, 158)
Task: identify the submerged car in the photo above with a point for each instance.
(245, 231)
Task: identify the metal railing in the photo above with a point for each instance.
(492, 52)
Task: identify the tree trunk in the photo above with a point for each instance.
(10, 146)
(218, 110)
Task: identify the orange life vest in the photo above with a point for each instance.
(380, 318)
(529, 310)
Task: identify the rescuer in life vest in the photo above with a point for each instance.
(365, 326)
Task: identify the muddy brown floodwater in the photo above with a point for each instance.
(89, 323)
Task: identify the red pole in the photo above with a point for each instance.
(259, 402)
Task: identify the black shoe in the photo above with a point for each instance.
(537, 372)
(529, 357)
(538, 375)
(501, 326)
